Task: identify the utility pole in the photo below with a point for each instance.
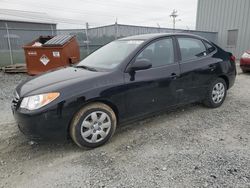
(174, 15)
(52, 30)
(116, 29)
(9, 44)
(159, 27)
(87, 37)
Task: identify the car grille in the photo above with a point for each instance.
(15, 99)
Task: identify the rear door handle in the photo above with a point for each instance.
(212, 67)
(173, 76)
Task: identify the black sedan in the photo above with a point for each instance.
(126, 79)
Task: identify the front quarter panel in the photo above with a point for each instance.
(108, 88)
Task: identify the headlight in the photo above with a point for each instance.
(246, 55)
(38, 101)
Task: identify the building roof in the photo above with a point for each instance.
(150, 27)
(26, 21)
(157, 35)
(25, 16)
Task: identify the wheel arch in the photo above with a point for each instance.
(104, 101)
(225, 78)
(108, 103)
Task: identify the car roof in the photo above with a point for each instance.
(158, 35)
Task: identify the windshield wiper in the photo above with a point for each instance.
(86, 67)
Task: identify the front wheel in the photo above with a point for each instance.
(93, 125)
(216, 94)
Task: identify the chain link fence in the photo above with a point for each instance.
(12, 40)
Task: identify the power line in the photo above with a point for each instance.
(106, 4)
(132, 6)
(31, 14)
(46, 19)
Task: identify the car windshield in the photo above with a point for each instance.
(110, 55)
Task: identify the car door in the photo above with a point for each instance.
(153, 89)
(197, 67)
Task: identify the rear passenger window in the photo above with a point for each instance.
(159, 53)
(191, 48)
(210, 48)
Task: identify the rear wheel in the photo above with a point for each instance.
(244, 71)
(93, 125)
(216, 94)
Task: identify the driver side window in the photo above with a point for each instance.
(159, 53)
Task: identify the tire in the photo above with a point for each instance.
(213, 91)
(244, 71)
(93, 125)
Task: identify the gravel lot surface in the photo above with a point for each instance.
(192, 146)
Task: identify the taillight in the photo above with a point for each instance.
(232, 58)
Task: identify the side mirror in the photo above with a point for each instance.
(140, 64)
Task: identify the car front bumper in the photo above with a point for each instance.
(245, 64)
(48, 125)
(245, 67)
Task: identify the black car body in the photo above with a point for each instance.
(131, 93)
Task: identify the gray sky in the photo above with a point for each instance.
(74, 13)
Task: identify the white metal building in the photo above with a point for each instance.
(230, 18)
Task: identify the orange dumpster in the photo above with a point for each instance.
(50, 52)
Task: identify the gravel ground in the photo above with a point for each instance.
(192, 146)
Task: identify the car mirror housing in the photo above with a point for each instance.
(140, 64)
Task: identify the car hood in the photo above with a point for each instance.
(55, 80)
